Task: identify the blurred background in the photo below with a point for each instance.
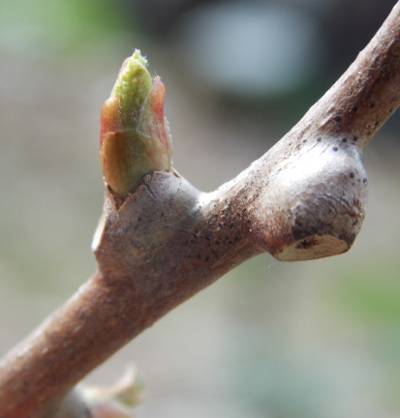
(269, 340)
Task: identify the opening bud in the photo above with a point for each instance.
(134, 134)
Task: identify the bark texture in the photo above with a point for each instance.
(304, 199)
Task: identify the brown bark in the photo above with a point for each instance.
(304, 199)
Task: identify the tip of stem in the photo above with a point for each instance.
(314, 247)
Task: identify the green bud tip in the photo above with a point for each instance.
(134, 134)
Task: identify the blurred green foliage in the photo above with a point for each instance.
(370, 292)
(42, 27)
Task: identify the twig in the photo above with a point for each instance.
(304, 199)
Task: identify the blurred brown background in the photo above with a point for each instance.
(269, 340)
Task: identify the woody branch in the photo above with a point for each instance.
(164, 241)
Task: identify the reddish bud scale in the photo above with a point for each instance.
(152, 121)
(109, 117)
